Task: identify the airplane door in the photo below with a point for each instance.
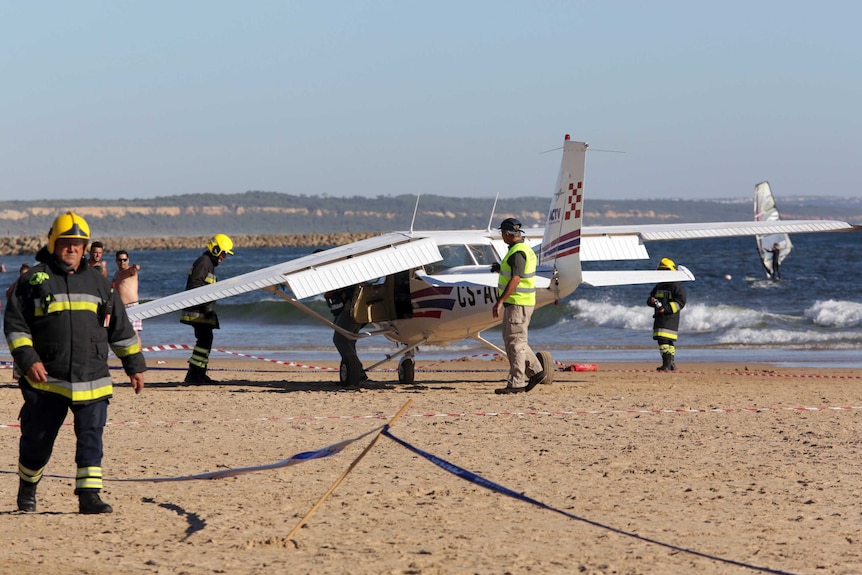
(385, 301)
(403, 303)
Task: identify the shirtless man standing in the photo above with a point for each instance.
(126, 284)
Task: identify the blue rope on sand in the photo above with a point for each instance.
(327, 451)
(487, 484)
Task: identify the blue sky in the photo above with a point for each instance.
(114, 99)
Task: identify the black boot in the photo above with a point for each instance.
(89, 503)
(197, 375)
(545, 376)
(26, 495)
(666, 363)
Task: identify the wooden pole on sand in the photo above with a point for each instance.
(346, 471)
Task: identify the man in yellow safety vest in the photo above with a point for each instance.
(516, 301)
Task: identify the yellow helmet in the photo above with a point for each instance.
(220, 243)
(666, 264)
(68, 226)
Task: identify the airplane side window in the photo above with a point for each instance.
(483, 254)
(453, 256)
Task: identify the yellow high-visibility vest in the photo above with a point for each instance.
(525, 293)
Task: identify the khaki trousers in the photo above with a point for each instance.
(523, 363)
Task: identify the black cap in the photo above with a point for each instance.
(511, 225)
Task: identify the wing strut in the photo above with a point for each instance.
(398, 353)
(301, 307)
(478, 337)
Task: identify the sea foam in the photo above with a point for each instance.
(833, 313)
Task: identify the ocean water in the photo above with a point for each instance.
(813, 317)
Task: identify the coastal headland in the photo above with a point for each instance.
(274, 219)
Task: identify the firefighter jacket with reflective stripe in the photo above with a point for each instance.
(671, 295)
(201, 274)
(68, 321)
(525, 293)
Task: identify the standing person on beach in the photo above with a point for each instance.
(516, 301)
(60, 320)
(125, 283)
(97, 250)
(25, 267)
(203, 318)
(667, 299)
(351, 372)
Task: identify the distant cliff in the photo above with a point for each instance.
(180, 221)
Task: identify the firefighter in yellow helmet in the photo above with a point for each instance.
(203, 318)
(60, 320)
(666, 299)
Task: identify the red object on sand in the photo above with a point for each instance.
(582, 367)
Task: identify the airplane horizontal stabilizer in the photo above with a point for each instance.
(653, 232)
(310, 275)
(609, 248)
(632, 277)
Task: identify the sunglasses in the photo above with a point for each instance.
(122, 259)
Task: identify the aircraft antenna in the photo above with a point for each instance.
(493, 209)
(415, 209)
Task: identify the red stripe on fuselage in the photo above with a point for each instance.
(431, 291)
(432, 313)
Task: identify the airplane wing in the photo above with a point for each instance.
(603, 243)
(630, 277)
(310, 275)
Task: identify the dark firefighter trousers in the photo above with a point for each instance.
(203, 345)
(41, 418)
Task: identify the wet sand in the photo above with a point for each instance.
(749, 463)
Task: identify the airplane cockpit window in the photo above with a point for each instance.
(462, 255)
(453, 256)
(484, 254)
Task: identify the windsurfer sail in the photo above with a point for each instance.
(773, 248)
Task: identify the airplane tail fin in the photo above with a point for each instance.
(561, 245)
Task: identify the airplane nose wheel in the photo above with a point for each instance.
(406, 370)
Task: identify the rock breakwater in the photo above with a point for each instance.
(25, 245)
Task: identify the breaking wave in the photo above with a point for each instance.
(832, 313)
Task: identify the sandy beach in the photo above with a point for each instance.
(747, 466)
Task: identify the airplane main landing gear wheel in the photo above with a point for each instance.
(348, 377)
(406, 370)
(548, 366)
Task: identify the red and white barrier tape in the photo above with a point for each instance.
(496, 355)
(743, 373)
(174, 346)
(579, 367)
(477, 355)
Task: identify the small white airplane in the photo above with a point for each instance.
(436, 287)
